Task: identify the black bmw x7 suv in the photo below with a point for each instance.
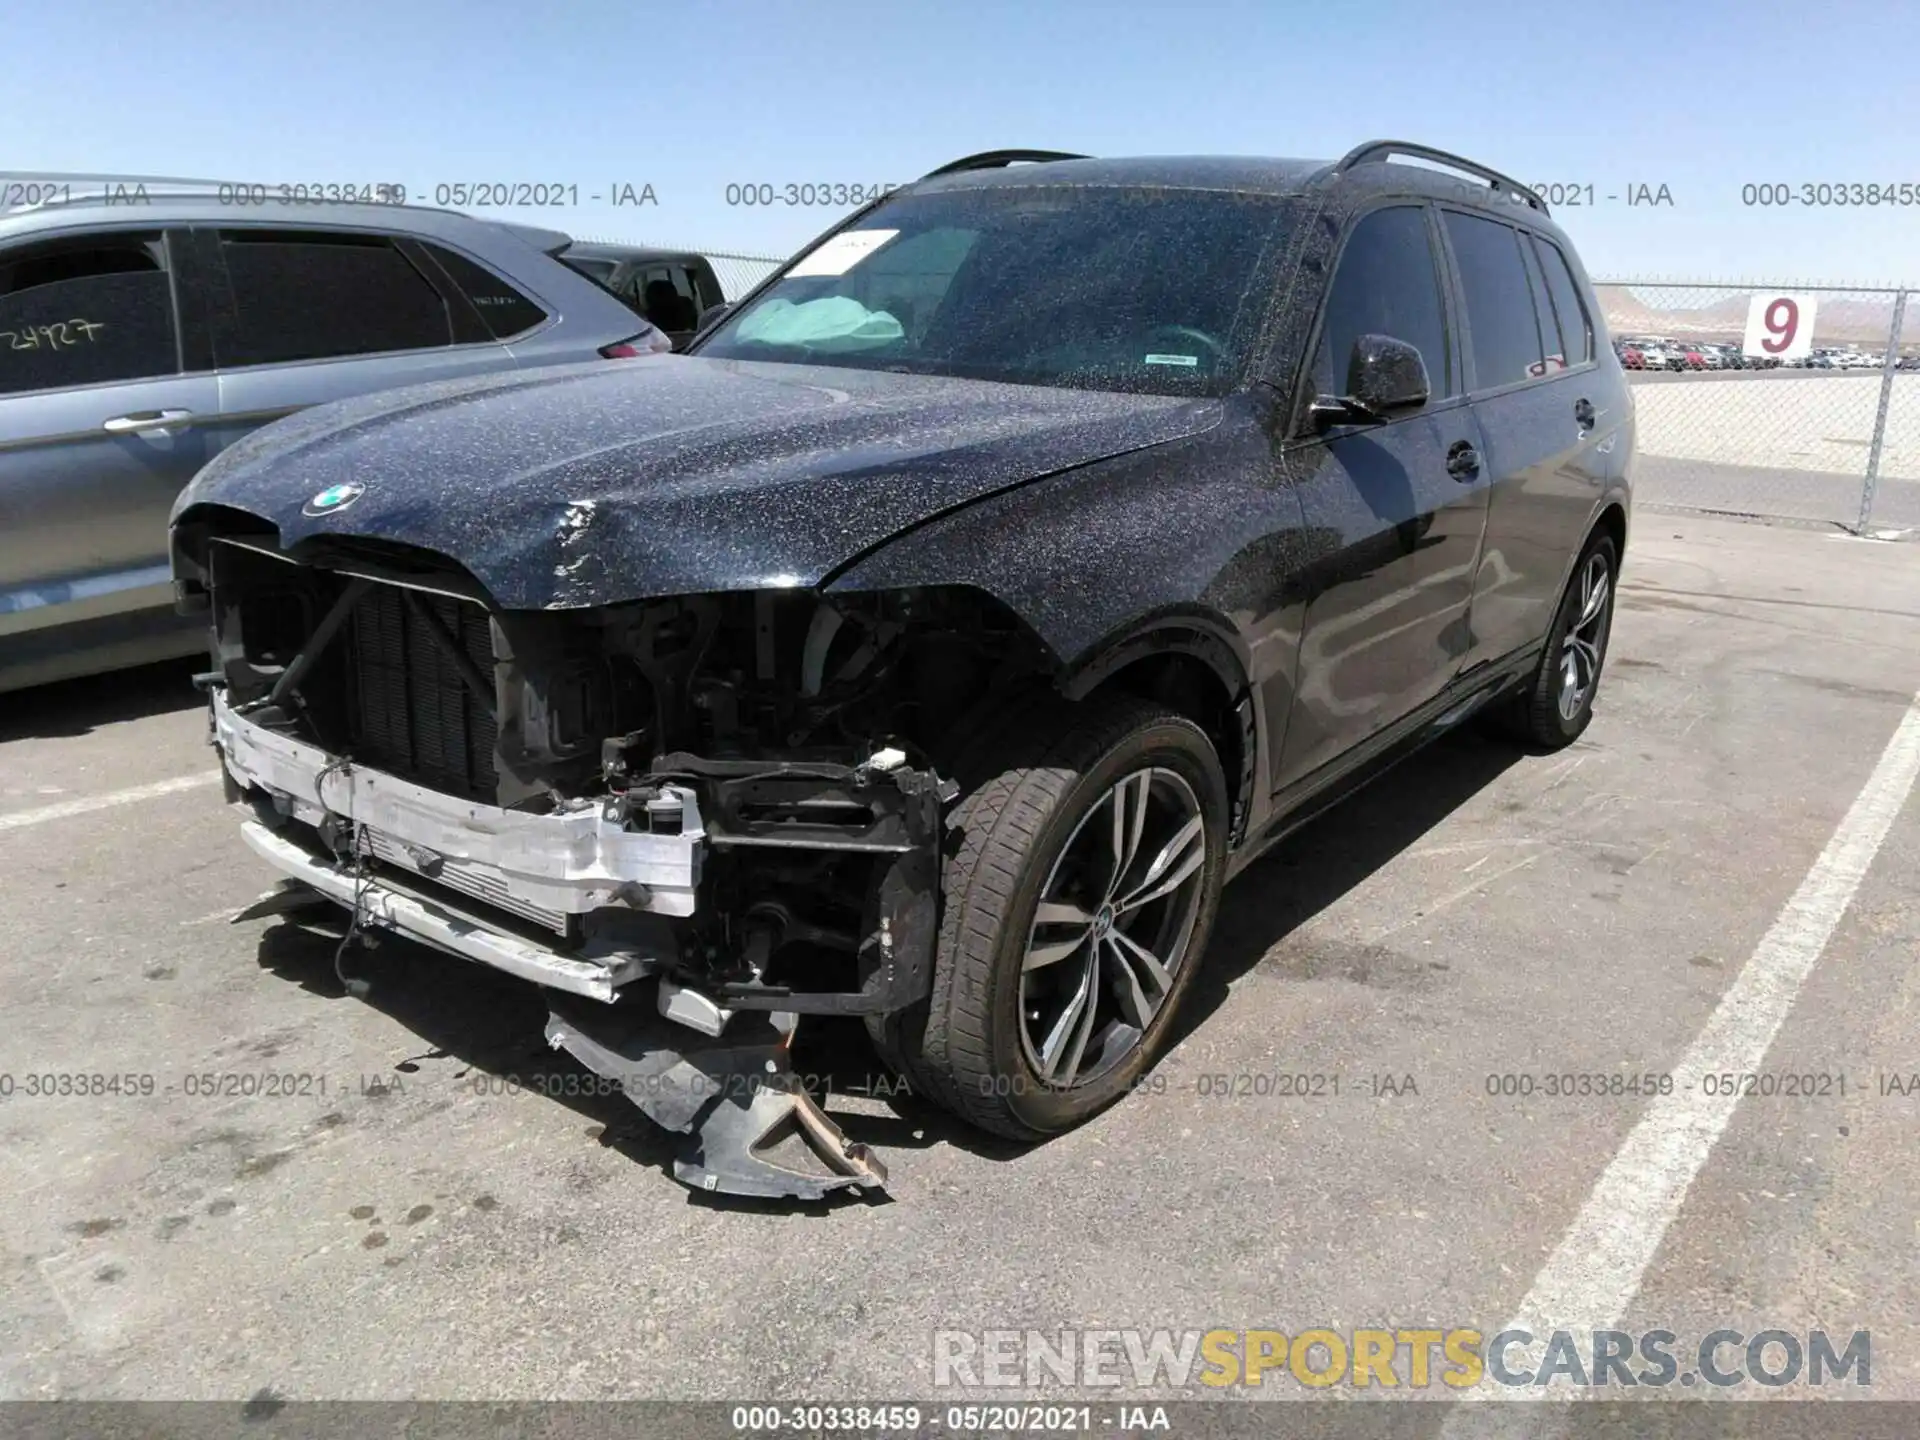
(934, 639)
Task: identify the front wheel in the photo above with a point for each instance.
(1080, 889)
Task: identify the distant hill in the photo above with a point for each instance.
(1699, 314)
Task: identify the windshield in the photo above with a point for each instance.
(1090, 287)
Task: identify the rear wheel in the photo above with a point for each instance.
(1080, 888)
(1557, 704)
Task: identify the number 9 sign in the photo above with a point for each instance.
(1779, 326)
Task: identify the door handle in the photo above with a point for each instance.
(142, 421)
(1463, 461)
(1583, 413)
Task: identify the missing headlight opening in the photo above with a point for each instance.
(717, 815)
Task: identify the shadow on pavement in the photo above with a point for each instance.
(78, 707)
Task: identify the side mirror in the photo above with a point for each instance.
(1385, 378)
(713, 313)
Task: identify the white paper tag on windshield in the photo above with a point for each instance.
(841, 253)
(1173, 360)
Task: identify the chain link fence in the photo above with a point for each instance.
(1829, 433)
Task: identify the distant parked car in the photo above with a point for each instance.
(670, 288)
(1690, 356)
(138, 343)
(1655, 353)
(1632, 357)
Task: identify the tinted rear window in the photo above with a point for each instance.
(1570, 313)
(1502, 329)
(504, 308)
(305, 295)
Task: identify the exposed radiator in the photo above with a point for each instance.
(412, 715)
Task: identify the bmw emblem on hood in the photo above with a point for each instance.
(334, 497)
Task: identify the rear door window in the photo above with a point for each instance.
(316, 295)
(1570, 312)
(506, 310)
(89, 311)
(1386, 283)
(1502, 330)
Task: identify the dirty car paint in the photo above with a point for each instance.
(590, 485)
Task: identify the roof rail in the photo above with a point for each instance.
(1378, 151)
(994, 159)
(151, 187)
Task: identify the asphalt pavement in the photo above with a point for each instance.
(418, 1208)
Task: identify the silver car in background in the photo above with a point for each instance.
(143, 329)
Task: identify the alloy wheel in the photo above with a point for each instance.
(1581, 651)
(1112, 927)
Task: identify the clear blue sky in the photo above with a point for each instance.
(1700, 97)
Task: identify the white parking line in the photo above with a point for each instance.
(20, 819)
(1592, 1276)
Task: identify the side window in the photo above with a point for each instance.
(1386, 284)
(1500, 321)
(1554, 357)
(505, 310)
(314, 295)
(1576, 329)
(86, 312)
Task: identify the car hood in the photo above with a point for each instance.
(589, 484)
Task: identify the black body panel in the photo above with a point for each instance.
(587, 485)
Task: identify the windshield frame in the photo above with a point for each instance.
(1248, 329)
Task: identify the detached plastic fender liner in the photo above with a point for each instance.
(751, 1128)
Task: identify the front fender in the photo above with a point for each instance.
(1197, 546)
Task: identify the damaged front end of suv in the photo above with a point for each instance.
(632, 748)
(726, 804)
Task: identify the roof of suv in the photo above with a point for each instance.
(1200, 172)
(1373, 169)
(1368, 168)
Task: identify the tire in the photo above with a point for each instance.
(1537, 716)
(1040, 784)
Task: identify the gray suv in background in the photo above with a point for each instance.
(139, 338)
